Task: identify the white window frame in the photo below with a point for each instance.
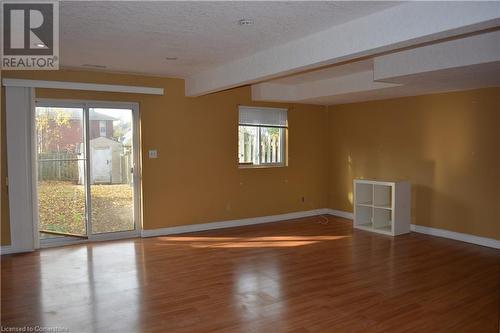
(283, 145)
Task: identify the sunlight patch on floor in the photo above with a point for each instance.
(245, 242)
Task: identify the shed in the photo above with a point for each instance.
(105, 158)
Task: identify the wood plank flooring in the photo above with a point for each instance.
(292, 276)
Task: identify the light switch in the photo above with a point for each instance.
(153, 153)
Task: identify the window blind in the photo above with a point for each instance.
(262, 116)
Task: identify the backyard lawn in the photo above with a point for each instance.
(61, 206)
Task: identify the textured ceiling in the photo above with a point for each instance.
(136, 37)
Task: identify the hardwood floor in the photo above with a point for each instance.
(293, 276)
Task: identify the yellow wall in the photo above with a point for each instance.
(196, 178)
(446, 145)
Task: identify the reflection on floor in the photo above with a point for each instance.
(292, 276)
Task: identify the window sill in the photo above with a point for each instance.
(261, 166)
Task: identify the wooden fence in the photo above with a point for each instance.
(269, 152)
(67, 167)
(58, 166)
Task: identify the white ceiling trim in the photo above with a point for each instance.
(405, 25)
(82, 86)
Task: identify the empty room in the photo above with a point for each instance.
(250, 166)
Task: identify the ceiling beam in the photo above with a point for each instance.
(457, 64)
(408, 24)
(356, 82)
(456, 53)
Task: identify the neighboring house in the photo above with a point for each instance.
(63, 138)
(63, 129)
(101, 125)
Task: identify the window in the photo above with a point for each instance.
(262, 136)
(102, 127)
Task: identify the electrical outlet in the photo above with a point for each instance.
(153, 153)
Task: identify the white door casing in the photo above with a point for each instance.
(19, 105)
(21, 149)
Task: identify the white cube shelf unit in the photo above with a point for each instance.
(382, 206)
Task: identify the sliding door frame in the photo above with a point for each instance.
(86, 105)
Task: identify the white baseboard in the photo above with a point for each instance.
(232, 223)
(215, 225)
(483, 241)
(6, 249)
(340, 213)
(9, 249)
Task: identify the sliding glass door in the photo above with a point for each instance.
(86, 166)
(111, 170)
(61, 160)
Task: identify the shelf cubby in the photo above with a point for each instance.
(364, 215)
(382, 218)
(382, 196)
(364, 193)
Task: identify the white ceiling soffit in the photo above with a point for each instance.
(139, 36)
(465, 63)
(465, 78)
(279, 92)
(405, 25)
(474, 50)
